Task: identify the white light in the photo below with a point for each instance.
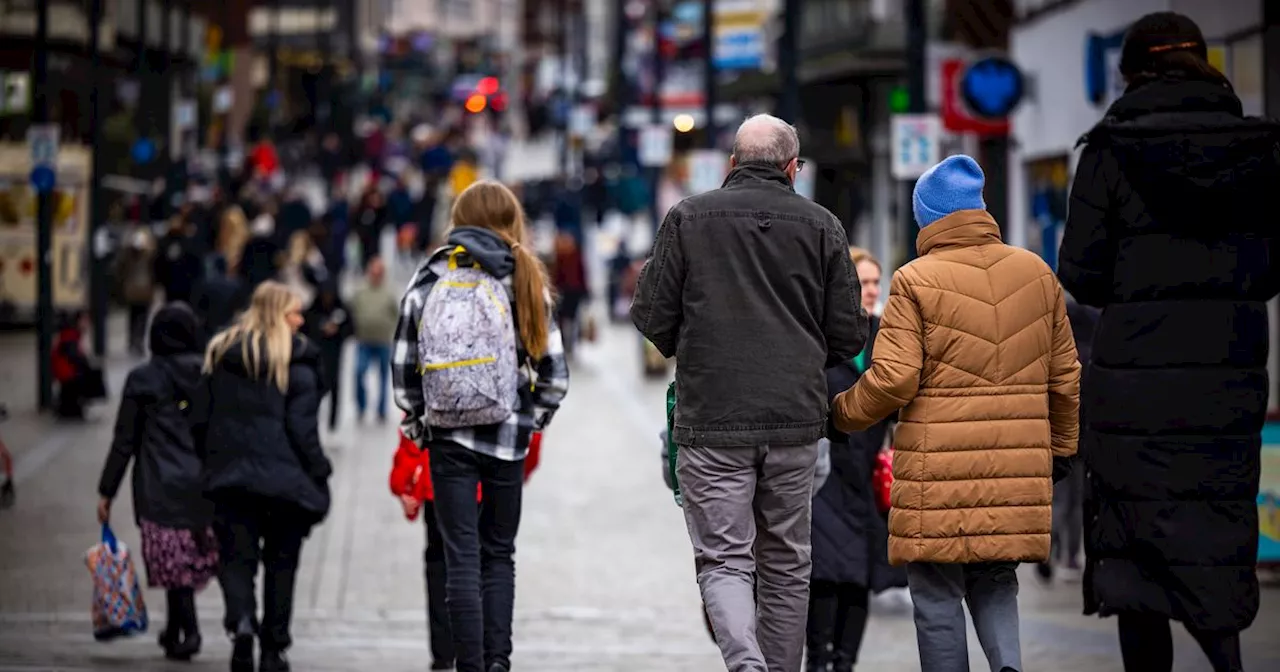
(683, 122)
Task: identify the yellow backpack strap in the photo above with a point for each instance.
(453, 258)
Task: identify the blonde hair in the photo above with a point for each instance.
(299, 247)
(490, 205)
(858, 255)
(263, 324)
(233, 233)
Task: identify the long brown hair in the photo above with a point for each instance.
(490, 205)
(264, 323)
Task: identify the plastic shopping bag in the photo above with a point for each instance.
(673, 450)
(882, 479)
(118, 609)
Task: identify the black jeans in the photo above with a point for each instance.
(253, 530)
(479, 546)
(439, 634)
(837, 621)
(1146, 645)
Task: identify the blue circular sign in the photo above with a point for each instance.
(992, 87)
(143, 151)
(43, 178)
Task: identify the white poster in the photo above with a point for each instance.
(707, 170)
(655, 145)
(916, 140)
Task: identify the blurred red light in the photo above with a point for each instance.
(499, 102)
(487, 86)
(476, 103)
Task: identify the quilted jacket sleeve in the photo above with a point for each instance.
(894, 376)
(1064, 382)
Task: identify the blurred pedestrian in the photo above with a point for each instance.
(258, 260)
(726, 284)
(569, 277)
(303, 269)
(79, 380)
(178, 265)
(850, 534)
(329, 324)
(135, 270)
(264, 470)
(466, 451)
(375, 311)
(154, 431)
(1166, 233)
(220, 297)
(370, 219)
(974, 340)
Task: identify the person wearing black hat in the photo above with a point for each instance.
(153, 428)
(1166, 232)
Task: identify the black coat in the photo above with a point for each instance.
(154, 427)
(317, 317)
(1172, 232)
(850, 535)
(218, 300)
(260, 441)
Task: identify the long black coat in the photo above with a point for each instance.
(154, 428)
(1172, 232)
(260, 441)
(850, 535)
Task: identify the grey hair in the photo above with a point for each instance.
(765, 138)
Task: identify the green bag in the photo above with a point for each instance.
(672, 449)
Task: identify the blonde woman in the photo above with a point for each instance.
(233, 233)
(264, 468)
(303, 269)
(488, 226)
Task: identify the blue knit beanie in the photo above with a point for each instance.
(955, 184)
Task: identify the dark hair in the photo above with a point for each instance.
(1167, 44)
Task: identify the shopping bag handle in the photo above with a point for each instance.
(109, 537)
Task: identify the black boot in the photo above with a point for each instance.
(189, 626)
(273, 661)
(242, 647)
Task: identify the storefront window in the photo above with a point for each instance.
(1245, 70)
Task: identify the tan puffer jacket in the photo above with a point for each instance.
(975, 347)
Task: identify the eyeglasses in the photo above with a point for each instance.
(799, 165)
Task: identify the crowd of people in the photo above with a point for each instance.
(1020, 431)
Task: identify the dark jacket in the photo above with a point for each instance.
(258, 261)
(154, 427)
(178, 266)
(850, 535)
(750, 287)
(317, 316)
(1169, 234)
(257, 440)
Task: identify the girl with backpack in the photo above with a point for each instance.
(479, 367)
(154, 429)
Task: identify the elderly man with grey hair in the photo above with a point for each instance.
(750, 287)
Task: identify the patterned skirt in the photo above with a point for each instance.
(178, 558)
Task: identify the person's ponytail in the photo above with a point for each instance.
(531, 300)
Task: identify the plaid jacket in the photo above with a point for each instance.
(508, 440)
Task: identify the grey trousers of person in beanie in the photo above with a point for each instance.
(939, 594)
(748, 512)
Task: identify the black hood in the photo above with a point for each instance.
(758, 171)
(1188, 152)
(175, 330)
(487, 248)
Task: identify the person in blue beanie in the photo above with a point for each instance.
(975, 348)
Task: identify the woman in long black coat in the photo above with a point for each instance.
(264, 468)
(1171, 232)
(850, 534)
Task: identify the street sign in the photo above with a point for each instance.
(43, 141)
(655, 145)
(992, 87)
(916, 140)
(143, 151)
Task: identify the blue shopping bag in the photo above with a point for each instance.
(118, 608)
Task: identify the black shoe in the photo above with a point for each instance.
(499, 667)
(7, 496)
(186, 649)
(273, 661)
(442, 665)
(242, 650)
(167, 640)
(1045, 571)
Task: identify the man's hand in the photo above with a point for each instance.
(411, 506)
(104, 510)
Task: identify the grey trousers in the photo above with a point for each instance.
(748, 512)
(1068, 517)
(938, 593)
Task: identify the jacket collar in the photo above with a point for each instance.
(758, 172)
(963, 228)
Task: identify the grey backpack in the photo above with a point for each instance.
(467, 349)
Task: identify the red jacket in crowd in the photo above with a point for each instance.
(411, 470)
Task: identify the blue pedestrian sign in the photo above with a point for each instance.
(43, 179)
(143, 151)
(992, 87)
